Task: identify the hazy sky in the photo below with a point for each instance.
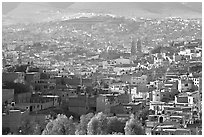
(8, 6)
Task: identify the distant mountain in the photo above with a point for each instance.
(32, 12)
(142, 9)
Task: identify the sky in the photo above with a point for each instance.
(8, 6)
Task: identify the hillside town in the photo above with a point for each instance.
(102, 75)
(165, 82)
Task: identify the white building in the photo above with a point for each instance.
(156, 96)
(118, 87)
(108, 64)
(184, 85)
(123, 67)
(196, 81)
(191, 52)
(184, 99)
(122, 60)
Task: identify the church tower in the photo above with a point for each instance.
(19, 58)
(133, 48)
(136, 49)
(4, 62)
(139, 46)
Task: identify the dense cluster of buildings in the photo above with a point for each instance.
(167, 83)
(61, 42)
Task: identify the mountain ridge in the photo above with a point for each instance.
(34, 12)
(145, 9)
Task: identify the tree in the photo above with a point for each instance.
(44, 76)
(133, 127)
(116, 125)
(30, 127)
(144, 115)
(82, 126)
(60, 126)
(93, 127)
(37, 129)
(89, 89)
(6, 130)
(98, 125)
(117, 133)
